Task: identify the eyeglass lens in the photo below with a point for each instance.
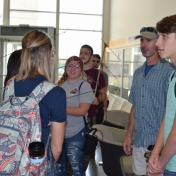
(73, 65)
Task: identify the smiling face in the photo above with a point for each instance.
(148, 47)
(73, 71)
(166, 45)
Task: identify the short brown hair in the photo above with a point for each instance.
(36, 53)
(167, 25)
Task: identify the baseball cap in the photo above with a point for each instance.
(148, 32)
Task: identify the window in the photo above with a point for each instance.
(33, 12)
(121, 66)
(1, 11)
(82, 6)
(80, 23)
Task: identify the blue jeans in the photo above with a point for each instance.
(168, 173)
(72, 152)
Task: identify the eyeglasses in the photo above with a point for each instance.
(73, 65)
(95, 61)
(148, 29)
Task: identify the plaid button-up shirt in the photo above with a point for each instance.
(148, 95)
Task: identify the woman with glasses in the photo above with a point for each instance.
(79, 98)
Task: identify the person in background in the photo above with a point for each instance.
(95, 60)
(79, 98)
(85, 54)
(163, 158)
(148, 99)
(36, 63)
(12, 66)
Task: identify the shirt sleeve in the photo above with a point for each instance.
(53, 106)
(86, 93)
(131, 97)
(101, 82)
(106, 78)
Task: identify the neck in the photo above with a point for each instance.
(72, 80)
(153, 59)
(87, 66)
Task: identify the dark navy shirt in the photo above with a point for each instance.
(52, 106)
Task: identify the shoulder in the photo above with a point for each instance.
(56, 92)
(167, 65)
(85, 84)
(138, 70)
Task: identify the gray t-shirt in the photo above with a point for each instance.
(74, 124)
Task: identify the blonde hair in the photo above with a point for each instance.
(65, 77)
(36, 53)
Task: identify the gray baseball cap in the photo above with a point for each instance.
(148, 32)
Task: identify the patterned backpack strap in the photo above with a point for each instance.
(41, 90)
(9, 89)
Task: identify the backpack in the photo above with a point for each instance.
(20, 124)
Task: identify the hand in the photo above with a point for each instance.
(153, 166)
(105, 108)
(127, 145)
(95, 102)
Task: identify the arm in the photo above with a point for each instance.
(127, 141)
(105, 101)
(156, 151)
(57, 138)
(170, 147)
(78, 111)
(102, 94)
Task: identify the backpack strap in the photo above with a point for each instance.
(84, 118)
(9, 89)
(41, 90)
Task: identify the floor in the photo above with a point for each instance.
(94, 169)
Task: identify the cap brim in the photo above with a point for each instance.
(138, 36)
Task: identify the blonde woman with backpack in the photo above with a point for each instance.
(35, 71)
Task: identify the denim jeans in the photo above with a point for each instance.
(72, 153)
(168, 173)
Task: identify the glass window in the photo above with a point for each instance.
(1, 11)
(70, 42)
(84, 22)
(33, 18)
(82, 6)
(61, 68)
(34, 5)
(114, 70)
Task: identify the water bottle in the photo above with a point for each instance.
(36, 152)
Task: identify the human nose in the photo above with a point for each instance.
(158, 42)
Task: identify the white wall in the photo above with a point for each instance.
(129, 16)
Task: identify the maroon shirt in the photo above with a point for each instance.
(92, 75)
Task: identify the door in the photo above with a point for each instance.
(7, 47)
